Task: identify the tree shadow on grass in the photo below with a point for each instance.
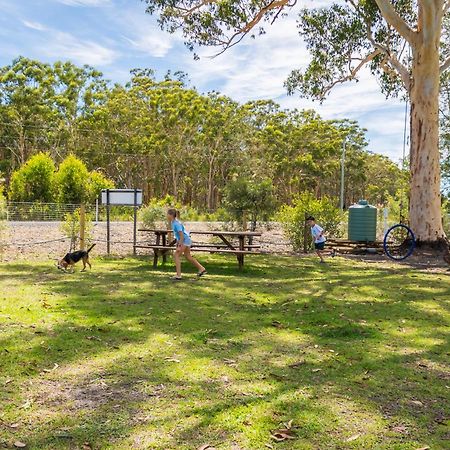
(298, 341)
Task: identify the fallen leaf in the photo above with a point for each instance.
(416, 402)
(19, 444)
(87, 446)
(14, 425)
(283, 434)
(269, 446)
(296, 365)
(353, 438)
(172, 359)
(230, 362)
(316, 370)
(423, 448)
(400, 429)
(26, 405)
(277, 324)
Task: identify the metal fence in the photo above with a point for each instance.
(57, 212)
(41, 212)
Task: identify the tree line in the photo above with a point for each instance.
(165, 137)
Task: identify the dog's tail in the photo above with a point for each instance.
(91, 247)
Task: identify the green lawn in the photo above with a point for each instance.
(354, 354)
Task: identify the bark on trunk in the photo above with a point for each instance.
(425, 183)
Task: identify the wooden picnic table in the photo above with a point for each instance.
(163, 246)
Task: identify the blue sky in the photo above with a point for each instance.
(116, 36)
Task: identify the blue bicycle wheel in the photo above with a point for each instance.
(399, 242)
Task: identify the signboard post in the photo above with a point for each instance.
(122, 197)
(135, 207)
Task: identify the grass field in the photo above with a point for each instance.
(349, 355)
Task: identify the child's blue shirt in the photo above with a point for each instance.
(177, 226)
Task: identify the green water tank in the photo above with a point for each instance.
(362, 222)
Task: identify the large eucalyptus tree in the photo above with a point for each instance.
(404, 42)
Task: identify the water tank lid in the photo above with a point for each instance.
(362, 204)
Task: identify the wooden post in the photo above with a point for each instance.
(82, 226)
(244, 220)
(108, 224)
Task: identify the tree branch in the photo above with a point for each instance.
(445, 65)
(392, 58)
(395, 20)
(446, 7)
(353, 72)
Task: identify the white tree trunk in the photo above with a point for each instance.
(425, 198)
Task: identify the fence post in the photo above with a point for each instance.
(82, 226)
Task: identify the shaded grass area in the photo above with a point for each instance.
(356, 355)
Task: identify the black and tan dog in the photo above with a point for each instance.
(72, 258)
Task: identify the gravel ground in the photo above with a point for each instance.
(25, 240)
(45, 239)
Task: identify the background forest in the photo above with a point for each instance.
(165, 137)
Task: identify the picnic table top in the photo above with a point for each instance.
(214, 233)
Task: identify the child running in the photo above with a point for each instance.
(319, 239)
(183, 245)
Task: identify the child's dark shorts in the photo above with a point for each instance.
(319, 245)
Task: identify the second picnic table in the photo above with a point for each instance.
(244, 246)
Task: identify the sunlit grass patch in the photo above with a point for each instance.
(348, 356)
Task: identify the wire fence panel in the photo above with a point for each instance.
(39, 212)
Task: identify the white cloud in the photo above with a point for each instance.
(85, 2)
(66, 46)
(153, 44)
(142, 32)
(34, 25)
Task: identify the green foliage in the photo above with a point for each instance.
(3, 206)
(33, 182)
(324, 210)
(71, 181)
(95, 184)
(165, 137)
(153, 213)
(251, 199)
(74, 184)
(70, 228)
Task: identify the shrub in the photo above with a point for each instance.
(156, 210)
(324, 210)
(254, 198)
(75, 184)
(33, 182)
(95, 184)
(71, 181)
(152, 213)
(3, 206)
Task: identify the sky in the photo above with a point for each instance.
(116, 36)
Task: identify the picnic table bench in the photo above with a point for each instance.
(244, 246)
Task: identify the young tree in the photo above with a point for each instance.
(33, 182)
(343, 38)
